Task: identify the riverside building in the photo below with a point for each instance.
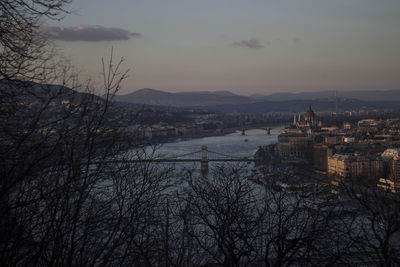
(347, 167)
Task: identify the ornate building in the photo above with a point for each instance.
(310, 116)
(309, 119)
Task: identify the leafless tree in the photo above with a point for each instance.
(54, 146)
(69, 194)
(73, 194)
(375, 230)
(24, 52)
(227, 212)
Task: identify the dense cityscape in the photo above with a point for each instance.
(365, 152)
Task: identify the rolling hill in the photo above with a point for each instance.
(184, 99)
(388, 95)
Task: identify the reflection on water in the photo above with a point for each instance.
(234, 144)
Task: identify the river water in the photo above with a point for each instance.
(233, 144)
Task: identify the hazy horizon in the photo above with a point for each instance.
(246, 47)
(125, 91)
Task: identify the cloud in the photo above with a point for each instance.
(252, 43)
(88, 33)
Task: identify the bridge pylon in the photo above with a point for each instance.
(204, 160)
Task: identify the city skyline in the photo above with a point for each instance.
(246, 47)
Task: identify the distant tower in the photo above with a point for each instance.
(310, 116)
(294, 119)
(299, 118)
(204, 160)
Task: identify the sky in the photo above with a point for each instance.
(244, 46)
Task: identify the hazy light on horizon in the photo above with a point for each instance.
(245, 46)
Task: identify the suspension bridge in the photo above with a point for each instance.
(204, 156)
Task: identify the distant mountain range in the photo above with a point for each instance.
(228, 102)
(225, 101)
(31, 91)
(302, 105)
(389, 95)
(184, 99)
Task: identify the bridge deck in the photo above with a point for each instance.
(203, 156)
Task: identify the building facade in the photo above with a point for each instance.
(321, 152)
(293, 143)
(349, 167)
(391, 179)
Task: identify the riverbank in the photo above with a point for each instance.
(178, 138)
(227, 131)
(233, 143)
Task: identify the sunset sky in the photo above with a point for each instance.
(245, 46)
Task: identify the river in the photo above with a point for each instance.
(233, 144)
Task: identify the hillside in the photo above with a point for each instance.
(184, 99)
(389, 95)
(300, 105)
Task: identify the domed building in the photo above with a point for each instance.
(310, 116)
(309, 119)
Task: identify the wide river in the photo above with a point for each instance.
(233, 144)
